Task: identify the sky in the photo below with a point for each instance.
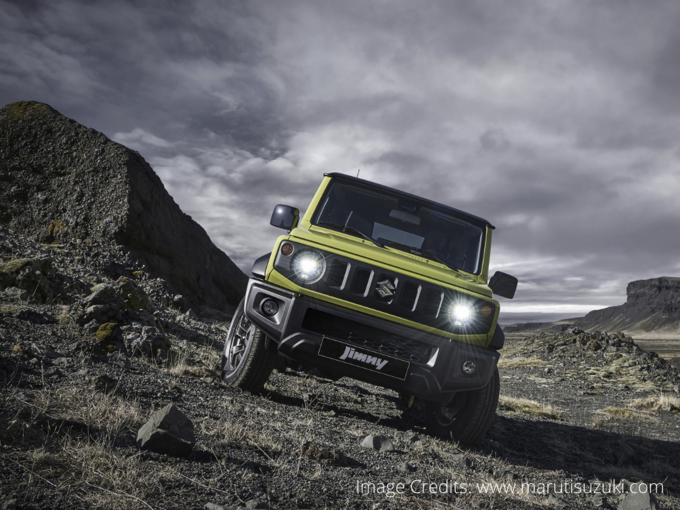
(559, 122)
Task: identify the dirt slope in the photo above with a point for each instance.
(575, 411)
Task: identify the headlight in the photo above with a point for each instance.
(461, 314)
(309, 266)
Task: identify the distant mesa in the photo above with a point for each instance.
(61, 181)
(652, 305)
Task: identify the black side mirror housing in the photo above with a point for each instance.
(503, 284)
(285, 216)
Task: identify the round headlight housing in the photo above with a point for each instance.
(308, 266)
(461, 314)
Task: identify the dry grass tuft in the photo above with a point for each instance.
(108, 479)
(521, 362)
(619, 412)
(104, 412)
(79, 448)
(531, 407)
(626, 413)
(194, 360)
(660, 402)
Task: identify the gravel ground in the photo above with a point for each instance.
(574, 410)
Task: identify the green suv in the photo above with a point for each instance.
(381, 286)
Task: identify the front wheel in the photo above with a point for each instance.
(246, 363)
(467, 417)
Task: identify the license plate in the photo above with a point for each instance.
(363, 358)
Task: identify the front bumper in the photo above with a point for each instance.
(431, 366)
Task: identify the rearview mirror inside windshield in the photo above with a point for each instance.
(405, 217)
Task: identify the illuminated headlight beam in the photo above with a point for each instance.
(309, 266)
(461, 314)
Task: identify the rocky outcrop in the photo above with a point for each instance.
(651, 305)
(61, 181)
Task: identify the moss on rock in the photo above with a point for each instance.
(135, 298)
(107, 333)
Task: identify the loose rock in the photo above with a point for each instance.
(168, 431)
(379, 443)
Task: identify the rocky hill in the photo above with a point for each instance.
(585, 420)
(63, 182)
(651, 305)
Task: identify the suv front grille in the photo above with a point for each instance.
(371, 338)
(391, 292)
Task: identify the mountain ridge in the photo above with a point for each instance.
(651, 305)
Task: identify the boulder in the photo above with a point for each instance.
(593, 345)
(638, 498)
(168, 431)
(102, 294)
(107, 302)
(405, 467)
(26, 314)
(31, 275)
(133, 295)
(149, 342)
(379, 443)
(15, 294)
(334, 457)
(42, 351)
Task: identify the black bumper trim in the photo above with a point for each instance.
(437, 382)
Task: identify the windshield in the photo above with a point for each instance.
(403, 223)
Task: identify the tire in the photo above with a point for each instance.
(246, 363)
(467, 417)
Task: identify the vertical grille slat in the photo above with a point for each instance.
(337, 273)
(433, 302)
(409, 296)
(361, 280)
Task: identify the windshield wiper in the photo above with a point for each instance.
(351, 230)
(422, 253)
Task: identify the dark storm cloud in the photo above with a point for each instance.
(558, 122)
(178, 68)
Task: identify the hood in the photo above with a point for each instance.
(390, 258)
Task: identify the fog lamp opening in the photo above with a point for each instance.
(469, 367)
(270, 307)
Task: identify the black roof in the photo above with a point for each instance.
(336, 175)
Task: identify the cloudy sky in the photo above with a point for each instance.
(559, 122)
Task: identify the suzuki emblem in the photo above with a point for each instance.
(385, 288)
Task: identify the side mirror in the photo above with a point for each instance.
(503, 284)
(285, 216)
